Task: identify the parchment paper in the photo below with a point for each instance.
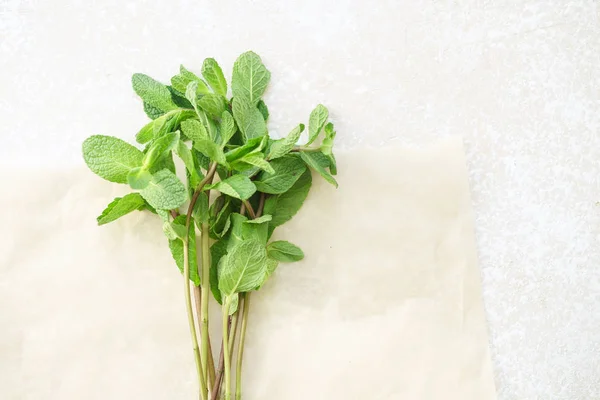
(386, 305)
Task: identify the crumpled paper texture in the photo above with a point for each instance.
(386, 304)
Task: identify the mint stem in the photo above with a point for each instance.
(238, 370)
(201, 358)
(204, 309)
(191, 322)
(226, 352)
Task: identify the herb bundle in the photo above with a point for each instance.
(239, 186)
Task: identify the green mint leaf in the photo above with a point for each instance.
(121, 206)
(111, 158)
(139, 178)
(174, 231)
(312, 161)
(284, 251)
(264, 110)
(248, 119)
(211, 150)
(256, 160)
(180, 82)
(236, 234)
(211, 71)
(219, 221)
(250, 77)
(165, 191)
(327, 147)
(251, 147)
(213, 104)
(194, 130)
(176, 247)
(185, 154)
(191, 93)
(316, 122)
(200, 212)
(164, 162)
(159, 148)
(284, 206)
(153, 92)
(217, 251)
(238, 186)
(179, 98)
(152, 112)
(287, 170)
(244, 268)
(200, 160)
(227, 127)
(283, 146)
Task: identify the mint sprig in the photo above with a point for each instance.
(240, 185)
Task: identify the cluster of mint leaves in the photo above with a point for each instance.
(225, 150)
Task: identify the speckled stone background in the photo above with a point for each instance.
(519, 80)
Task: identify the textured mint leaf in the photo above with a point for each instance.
(159, 148)
(153, 92)
(211, 71)
(200, 160)
(327, 147)
(179, 98)
(194, 130)
(111, 158)
(185, 154)
(213, 104)
(256, 160)
(217, 251)
(287, 170)
(121, 206)
(164, 162)
(248, 119)
(164, 124)
(252, 146)
(173, 231)
(139, 178)
(250, 77)
(181, 81)
(238, 186)
(176, 247)
(316, 122)
(244, 268)
(165, 191)
(257, 230)
(284, 251)
(211, 150)
(152, 112)
(283, 146)
(264, 110)
(236, 234)
(284, 206)
(227, 127)
(312, 161)
(191, 93)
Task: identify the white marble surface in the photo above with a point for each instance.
(517, 79)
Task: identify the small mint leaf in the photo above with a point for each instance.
(238, 186)
(250, 77)
(211, 71)
(121, 206)
(153, 92)
(284, 251)
(316, 122)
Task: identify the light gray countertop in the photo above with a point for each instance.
(519, 80)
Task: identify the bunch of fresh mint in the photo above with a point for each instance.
(261, 184)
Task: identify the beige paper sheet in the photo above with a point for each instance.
(386, 305)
